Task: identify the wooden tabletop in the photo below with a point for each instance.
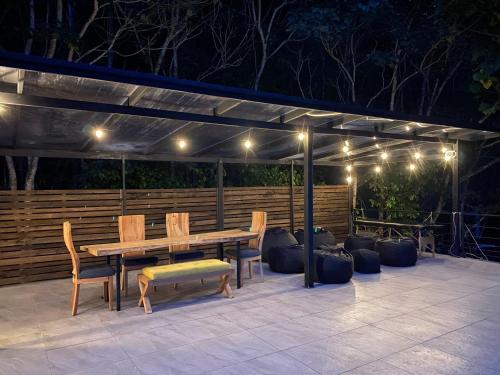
(222, 236)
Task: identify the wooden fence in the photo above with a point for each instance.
(31, 245)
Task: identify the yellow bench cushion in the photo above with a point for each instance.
(185, 269)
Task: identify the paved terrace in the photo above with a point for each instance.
(440, 317)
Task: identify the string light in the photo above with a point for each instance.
(444, 149)
(407, 127)
(384, 155)
(412, 167)
(377, 145)
(247, 144)
(345, 149)
(99, 133)
(417, 155)
(182, 144)
(348, 168)
(449, 155)
(377, 169)
(301, 136)
(346, 143)
(349, 179)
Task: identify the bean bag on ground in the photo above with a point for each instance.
(321, 237)
(276, 237)
(366, 261)
(333, 267)
(354, 242)
(286, 259)
(397, 252)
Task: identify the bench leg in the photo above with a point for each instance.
(145, 298)
(224, 286)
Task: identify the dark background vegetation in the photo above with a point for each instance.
(427, 57)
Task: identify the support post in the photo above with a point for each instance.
(124, 187)
(220, 205)
(308, 210)
(457, 218)
(350, 207)
(292, 197)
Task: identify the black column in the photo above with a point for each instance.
(220, 205)
(292, 196)
(124, 187)
(308, 210)
(457, 218)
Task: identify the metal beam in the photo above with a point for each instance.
(142, 157)
(164, 141)
(54, 66)
(57, 103)
(20, 81)
(308, 210)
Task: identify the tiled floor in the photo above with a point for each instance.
(440, 317)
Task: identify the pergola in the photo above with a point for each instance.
(52, 108)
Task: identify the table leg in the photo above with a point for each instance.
(238, 265)
(118, 288)
(220, 251)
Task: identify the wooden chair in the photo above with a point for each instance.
(133, 228)
(86, 275)
(254, 250)
(177, 224)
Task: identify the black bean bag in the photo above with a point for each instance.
(354, 242)
(276, 237)
(397, 252)
(366, 261)
(321, 237)
(286, 259)
(333, 267)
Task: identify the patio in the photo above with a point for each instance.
(442, 316)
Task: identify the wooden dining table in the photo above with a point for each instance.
(117, 249)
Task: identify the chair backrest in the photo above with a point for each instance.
(132, 228)
(259, 221)
(177, 224)
(68, 240)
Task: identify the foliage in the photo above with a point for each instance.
(479, 21)
(398, 193)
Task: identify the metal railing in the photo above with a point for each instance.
(482, 236)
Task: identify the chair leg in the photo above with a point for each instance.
(76, 292)
(241, 263)
(250, 271)
(261, 270)
(106, 291)
(110, 292)
(125, 282)
(202, 282)
(122, 279)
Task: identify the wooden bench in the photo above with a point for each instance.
(181, 272)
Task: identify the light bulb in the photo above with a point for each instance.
(346, 143)
(99, 133)
(444, 149)
(349, 179)
(407, 128)
(417, 155)
(412, 167)
(345, 149)
(377, 145)
(377, 169)
(248, 144)
(384, 155)
(182, 144)
(300, 136)
(348, 168)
